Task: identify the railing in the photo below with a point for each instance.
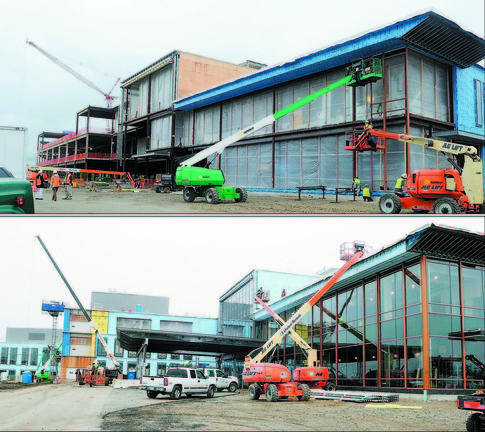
(73, 135)
(77, 157)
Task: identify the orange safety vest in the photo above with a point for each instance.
(68, 179)
(38, 180)
(56, 181)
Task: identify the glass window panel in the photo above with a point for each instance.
(474, 286)
(474, 374)
(34, 356)
(474, 312)
(13, 356)
(473, 323)
(414, 325)
(391, 292)
(413, 309)
(4, 356)
(415, 362)
(443, 286)
(392, 363)
(25, 356)
(370, 298)
(370, 365)
(442, 325)
(284, 98)
(445, 362)
(371, 333)
(316, 108)
(392, 329)
(413, 285)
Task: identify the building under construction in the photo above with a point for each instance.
(431, 86)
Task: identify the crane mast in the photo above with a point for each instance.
(88, 318)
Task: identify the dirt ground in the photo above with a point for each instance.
(237, 412)
(147, 201)
(5, 385)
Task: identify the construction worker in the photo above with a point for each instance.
(367, 125)
(356, 185)
(39, 182)
(400, 182)
(55, 183)
(367, 194)
(68, 186)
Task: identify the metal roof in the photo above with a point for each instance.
(432, 241)
(456, 46)
(160, 341)
(99, 112)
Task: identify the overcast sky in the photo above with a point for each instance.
(108, 39)
(191, 260)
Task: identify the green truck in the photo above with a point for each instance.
(16, 195)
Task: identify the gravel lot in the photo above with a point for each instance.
(146, 201)
(237, 412)
(68, 406)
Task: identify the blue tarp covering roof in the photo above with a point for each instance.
(415, 31)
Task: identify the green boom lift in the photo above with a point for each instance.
(42, 373)
(209, 183)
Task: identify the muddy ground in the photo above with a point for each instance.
(237, 412)
(146, 201)
(6, 385)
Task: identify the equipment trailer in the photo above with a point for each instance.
(474, 402)
(210, 183)
(271, 379)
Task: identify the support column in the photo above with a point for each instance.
(425, 317)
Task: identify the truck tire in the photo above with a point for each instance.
(106, 382)
(254, 392)
(158, 189)
(232, 387)
(446, 206)
(210, 392)
(152, 394)
(271, 393)
(306, 392)
(189, 194)
(212, 196)
(243, 195)
(81, 383)
(166, 189)
(390, 204)
(330, 386)
(176, 393)
(475, 423)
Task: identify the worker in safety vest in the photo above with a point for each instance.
(55, 183)
(39, 182)
(367, 194)
(356, 185)
(367, 125)
(68, 186)
(400, 182)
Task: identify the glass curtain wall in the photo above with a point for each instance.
(372, 334)
(161, 92)
(160, 132)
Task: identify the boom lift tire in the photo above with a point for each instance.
(176, 393)
(166, 189)
(330, 386)
(475, 423)
(212, 196)
(446, 206)
(306, 392)
(232, 387)
(390, 204)
(243, 193)
(106, 382)
(189, 194)
(210, 392)
(158, 189)
(152, 394)
(254, 392)
(271, 393)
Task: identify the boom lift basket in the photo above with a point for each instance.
(360, 140)
(364, 72)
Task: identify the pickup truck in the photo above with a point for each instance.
(15, 195)
(178, 381)
(223, 381)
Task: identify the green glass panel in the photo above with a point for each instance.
(442, 325)
(414, 325)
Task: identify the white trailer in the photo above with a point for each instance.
(13, 150)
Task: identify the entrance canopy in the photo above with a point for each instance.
(160, 341)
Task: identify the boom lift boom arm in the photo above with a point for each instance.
(88, 318)
(277, 338)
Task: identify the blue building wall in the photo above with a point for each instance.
(15, 370)
(465, 102)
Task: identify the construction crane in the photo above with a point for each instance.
(108, 96)
(209, 183)
(109, 353)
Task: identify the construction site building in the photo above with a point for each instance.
(432, 86)
(23, 349)
(91, 146)
(150, 137)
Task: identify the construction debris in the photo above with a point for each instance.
(394, 406)
(358, 397)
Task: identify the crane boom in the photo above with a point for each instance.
(88, 318)
(68, 69)
(277, 338)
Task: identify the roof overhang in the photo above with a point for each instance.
(462, 137)
(432, 241)
(148, 70)
(428, 32)
(160, 341)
